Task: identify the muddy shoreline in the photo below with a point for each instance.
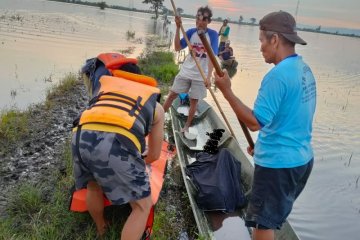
(37, 158)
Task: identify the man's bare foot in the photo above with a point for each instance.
(190, 136)
(102, 231)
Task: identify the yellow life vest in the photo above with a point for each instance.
(128, 104)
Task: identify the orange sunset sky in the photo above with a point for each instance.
(325, 13)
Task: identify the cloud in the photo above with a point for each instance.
(229, 7)
(321, 12)
(222, 4)
(328, 22)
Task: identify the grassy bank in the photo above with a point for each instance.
(40, 210)
(15, 124)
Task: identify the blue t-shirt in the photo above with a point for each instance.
(285, 108)
(226, 55)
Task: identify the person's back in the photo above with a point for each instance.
(109, 140)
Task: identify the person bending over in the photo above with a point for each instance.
(108, 144)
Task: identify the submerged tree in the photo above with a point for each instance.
(102, 5)
(252, 20)
(180, 11)
(156, 5)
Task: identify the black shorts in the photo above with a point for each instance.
(273, 193)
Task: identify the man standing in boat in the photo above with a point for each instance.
(224, 34)
(283, 114)
(189, 78)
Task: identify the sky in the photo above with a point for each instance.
(325, 13)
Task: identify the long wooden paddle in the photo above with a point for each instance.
(202, 72)
(219, 72)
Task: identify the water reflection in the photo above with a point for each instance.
(228, 225)
(43, 39)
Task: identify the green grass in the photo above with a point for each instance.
(13, 125)
(36, 211)
(164, 220)
(159, 65)
(64, 86)
(61, 88)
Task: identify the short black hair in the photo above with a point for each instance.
(133, 68)
(206, 9)
(130, 67)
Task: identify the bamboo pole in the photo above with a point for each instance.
(219, 72)
(202, 72)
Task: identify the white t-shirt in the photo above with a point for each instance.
(189, 69)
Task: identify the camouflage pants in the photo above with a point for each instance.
(118, 169)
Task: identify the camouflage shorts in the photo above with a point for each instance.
(117, 168)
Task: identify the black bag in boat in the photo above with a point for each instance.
(217, 179)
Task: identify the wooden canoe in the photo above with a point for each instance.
(229, 63)
(215, 225)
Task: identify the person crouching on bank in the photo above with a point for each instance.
(108, 145)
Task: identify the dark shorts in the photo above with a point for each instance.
(274, 191)
(115, 166)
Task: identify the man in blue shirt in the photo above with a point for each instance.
(283, 114)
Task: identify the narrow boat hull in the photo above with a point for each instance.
(215, 225)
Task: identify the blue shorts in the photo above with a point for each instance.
(113, 163)
(273, 193)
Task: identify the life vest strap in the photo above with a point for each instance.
(110, 128)
(128, 100)
(130, 111)
(118, 95)
(136, 107)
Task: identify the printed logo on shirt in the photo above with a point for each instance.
(308, 85)
(200, 50)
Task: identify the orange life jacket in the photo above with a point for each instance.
(124, 103)
(113, 61)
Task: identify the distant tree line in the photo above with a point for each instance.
(158, 8)
(102, 5)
